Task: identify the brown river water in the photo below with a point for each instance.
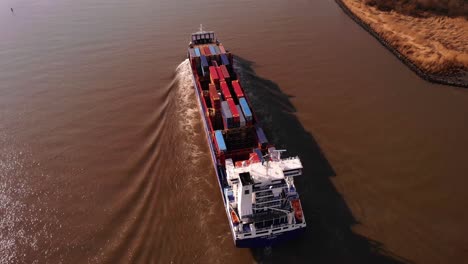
(103, 157)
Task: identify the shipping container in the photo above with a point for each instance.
(204, 62)
(214, 96)
(217, 50)
(220, 74)
(225, 90)
(206, 49)
(197, 52)
(262, 140)
(224, 59)
(234, 112)
(220, 141)
(225, 72)
(246, 110)
(241, 116)
(226, 114)
(213, 74)
(221, 48)
(237, 89)
(212, 49)
(202, 51)
(192, 53)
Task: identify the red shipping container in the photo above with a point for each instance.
(237, 89)
(225, 90)
(207, 51)
(213, 74)
(225, 72)
(233, 108)
(220, 74)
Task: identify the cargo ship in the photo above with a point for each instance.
(257, 184)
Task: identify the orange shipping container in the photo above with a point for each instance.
(214, 96)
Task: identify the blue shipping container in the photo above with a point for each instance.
(220, 140)
(204, 61)
(224, 59)
(261, 136)
(212, 50)
(245, 109)
(241, 116)
(197, 52)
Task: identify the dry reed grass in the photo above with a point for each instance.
(438, 44)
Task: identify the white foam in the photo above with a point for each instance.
(188, 111)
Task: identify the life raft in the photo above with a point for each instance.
(234, 217)
(296, 205)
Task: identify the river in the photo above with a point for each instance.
(103, 156)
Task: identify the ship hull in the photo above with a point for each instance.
(268, 241)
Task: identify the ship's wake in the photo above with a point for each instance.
(172, 190)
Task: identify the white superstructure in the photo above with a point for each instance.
(263, 199)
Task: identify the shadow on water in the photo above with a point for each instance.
(329, 237)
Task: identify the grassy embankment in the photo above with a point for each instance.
(429, 35)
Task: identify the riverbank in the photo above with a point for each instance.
(434, 47)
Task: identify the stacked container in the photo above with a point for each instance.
(207, 51)
(213, 75)
(220, 74)
(192, 53)
(212, 50)
(237, 89)
(218, 51)
(224, 59)
(221, 48)
(214, 97)
(204, 65)
(234, 112)
(197, 52)
(225, 90)
(226, 114)
(220, 144)
(246, 111)
(225, 73)
(241, 116)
